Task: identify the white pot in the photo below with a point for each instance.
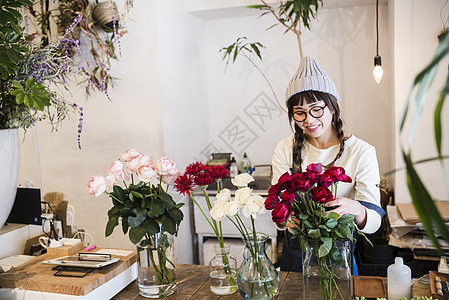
(9, 171)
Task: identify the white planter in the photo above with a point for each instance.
(9, 171)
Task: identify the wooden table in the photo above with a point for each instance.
(193, 283)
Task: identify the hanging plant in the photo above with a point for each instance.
(101, 23)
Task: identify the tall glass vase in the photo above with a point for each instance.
(257, 277)
(330, 274)
(223, 267)
(156, 265)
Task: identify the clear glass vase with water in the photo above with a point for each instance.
(223, 269)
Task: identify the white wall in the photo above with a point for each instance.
(416, 27)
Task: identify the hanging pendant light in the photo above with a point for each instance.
(378, 72)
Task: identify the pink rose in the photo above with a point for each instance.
(138, 161)
(116, 168)
(166, 166)
(170, 179)
(96, 185)
(128, 154)
(146, 172)
(321, 195)
(281, 213)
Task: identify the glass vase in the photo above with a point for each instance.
(223, 269)
(156, 265)
(257, 277)
(331, 273)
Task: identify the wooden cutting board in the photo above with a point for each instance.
(41, 277)
(409, 214)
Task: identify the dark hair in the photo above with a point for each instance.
(337, 122)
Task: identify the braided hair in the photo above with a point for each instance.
(299, 138)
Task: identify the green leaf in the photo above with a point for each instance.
(168, 200)
(111, 225)
(20, 97)
(176, 214)
(17, 84)
(38, 87)
(140, 217)
(331, 223)
(168, 224)
(136, 234)
(333, 215)
(120, 193)
(346, 219)
(151, 226)
(345, 231)
(157, 207)
(138, 195)
(314, 233)
(29, 83)
(16, 92)
(28, 101)
(125, 224)
(114, 212)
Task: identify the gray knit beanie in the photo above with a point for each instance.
(310, 77)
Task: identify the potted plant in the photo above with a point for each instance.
(26, 73)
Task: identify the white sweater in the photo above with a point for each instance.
(359, 161)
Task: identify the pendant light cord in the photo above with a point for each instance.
(377, 27)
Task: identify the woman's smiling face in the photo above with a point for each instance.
(314, 127)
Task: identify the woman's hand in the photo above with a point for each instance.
(292, 221)
(345, 205)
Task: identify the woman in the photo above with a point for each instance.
(318, 137)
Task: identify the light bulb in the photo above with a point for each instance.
(378, 72)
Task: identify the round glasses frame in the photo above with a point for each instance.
(316, 112)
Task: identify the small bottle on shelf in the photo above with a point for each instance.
(233, 169)
(246, 164)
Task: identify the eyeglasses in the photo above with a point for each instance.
(316, 112)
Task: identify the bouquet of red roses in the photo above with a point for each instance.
(302, 196)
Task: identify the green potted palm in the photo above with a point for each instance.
(27, 73)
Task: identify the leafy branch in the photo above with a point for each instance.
(247, 49)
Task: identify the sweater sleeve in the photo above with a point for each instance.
(282, 159)
(367, 189)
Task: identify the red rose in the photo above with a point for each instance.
(274, 189)
(300, 182)
(338, 174)
(272, 201)
(325, 180)
(284, 181)
(312, 176)
(281, 213)
(321, 195)
(287, 197)
(315, 167)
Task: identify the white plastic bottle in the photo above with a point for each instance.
(246, 164)
(399, 278)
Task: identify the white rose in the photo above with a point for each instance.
(223, 196)
(242, 180)
(231, 208)
(254, 206)
(241, 195)
(218, 212)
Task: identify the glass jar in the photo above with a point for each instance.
(257, 277)
(156, 265)
(330, 274)
(223, 269)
